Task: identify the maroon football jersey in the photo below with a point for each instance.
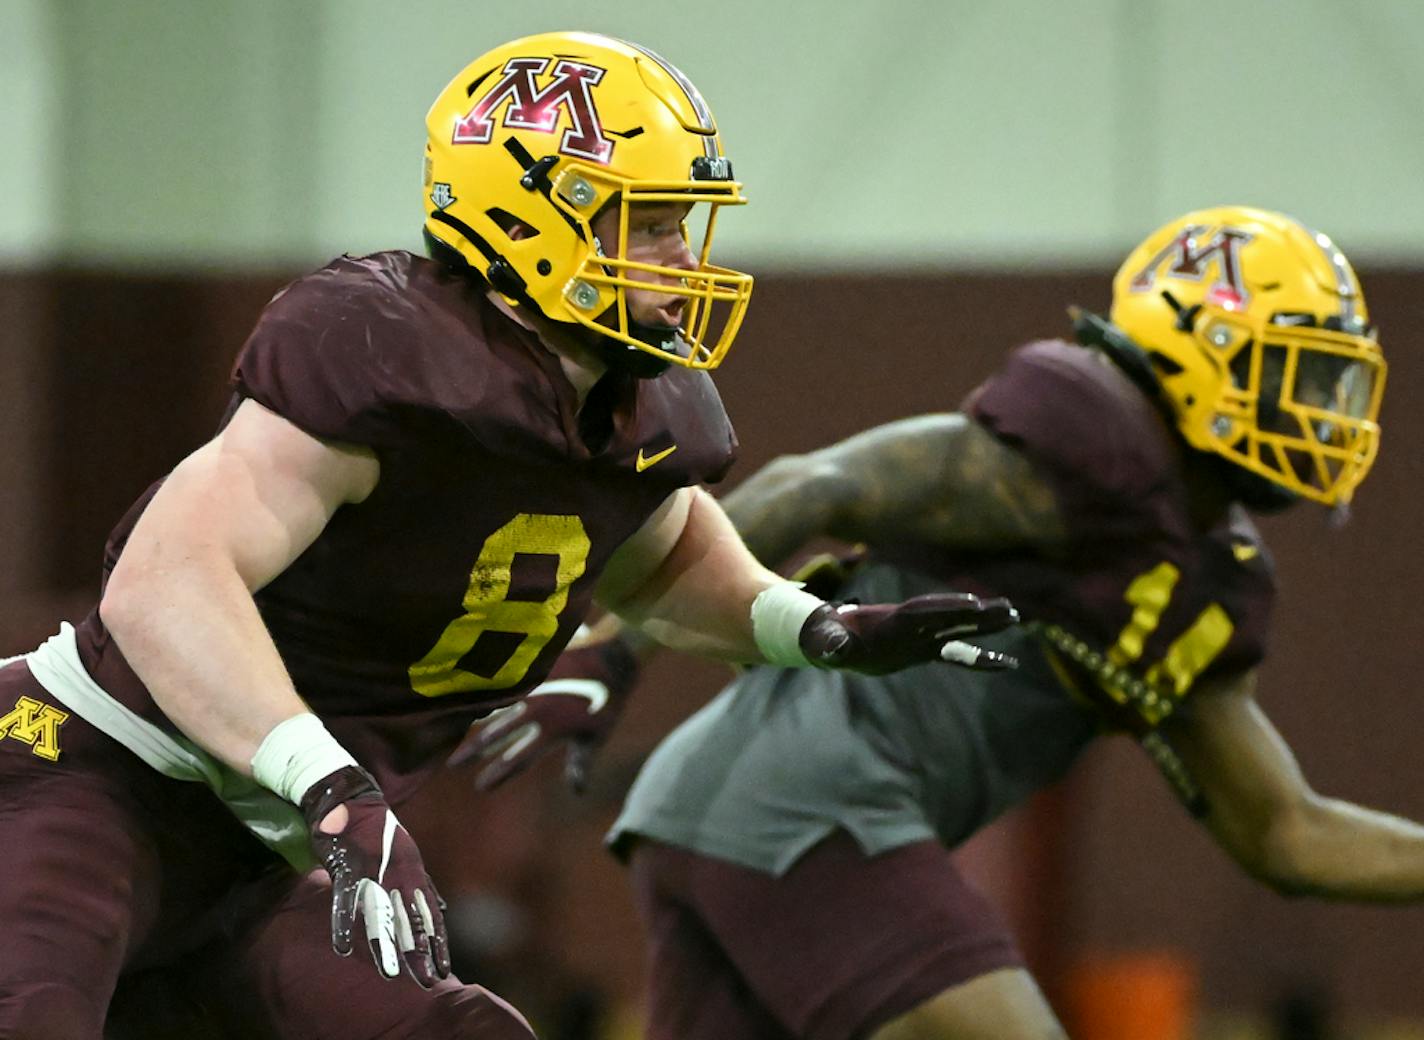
(453, 587)
(1141, 593)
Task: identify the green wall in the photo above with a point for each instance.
(268, 133)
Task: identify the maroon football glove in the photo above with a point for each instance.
(578, 705)
(885, 637)
(376, 871)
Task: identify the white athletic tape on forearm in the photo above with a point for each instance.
(778, 614)
(296, 754)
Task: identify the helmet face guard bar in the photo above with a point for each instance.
(1301, 403)
(597, 295)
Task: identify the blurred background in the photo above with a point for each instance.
(931, 184)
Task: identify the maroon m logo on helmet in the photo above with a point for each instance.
(1186, 256)
(527, 106)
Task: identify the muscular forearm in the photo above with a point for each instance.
(931, 479)
(1272, 822)
(1337, 850)
(192, 633)
(699, 600)
(227, 521)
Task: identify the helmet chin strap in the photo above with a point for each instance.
(641, 364)
(623, 357)
(616, 355)
(1258, 494)
(1092, 331)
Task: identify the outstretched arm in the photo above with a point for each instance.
(1265, 814)
(687, 580)
(937, 479)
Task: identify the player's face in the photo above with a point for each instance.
(1325, 384)
(655, 236)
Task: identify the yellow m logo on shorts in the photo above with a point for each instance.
(35, 723)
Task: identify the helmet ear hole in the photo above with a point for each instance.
(511, 225)
(1164, 364)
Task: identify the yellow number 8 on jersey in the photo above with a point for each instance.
(488, 608)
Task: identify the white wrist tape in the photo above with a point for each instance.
(296, 754)
(778, 614)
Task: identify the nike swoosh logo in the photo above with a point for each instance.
(643, 462)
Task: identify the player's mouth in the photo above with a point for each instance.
(671, 312)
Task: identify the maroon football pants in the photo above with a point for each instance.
(112, 874)
(277, 977)
(840, 945)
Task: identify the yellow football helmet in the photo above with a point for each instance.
(1258, 335)
(530, 141)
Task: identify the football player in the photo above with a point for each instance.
(430, 468)
(789, 843)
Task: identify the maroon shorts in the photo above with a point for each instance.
(105, 863)
(838, 946)
(117, 880)
(276, 978)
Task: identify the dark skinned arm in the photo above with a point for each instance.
(1265, 814)
(937, 479)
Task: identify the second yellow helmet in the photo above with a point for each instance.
(1258, 334)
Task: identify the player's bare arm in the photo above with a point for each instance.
(230, 518)
(939, 479)
(934, 478)
(687, 580)
(1266, 815)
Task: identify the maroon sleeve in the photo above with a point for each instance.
(1084, 425)
(329, 353)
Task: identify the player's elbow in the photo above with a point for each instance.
(141, 587)
(1284, 857)
(127, 599)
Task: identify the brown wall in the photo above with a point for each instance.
(106, 380)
